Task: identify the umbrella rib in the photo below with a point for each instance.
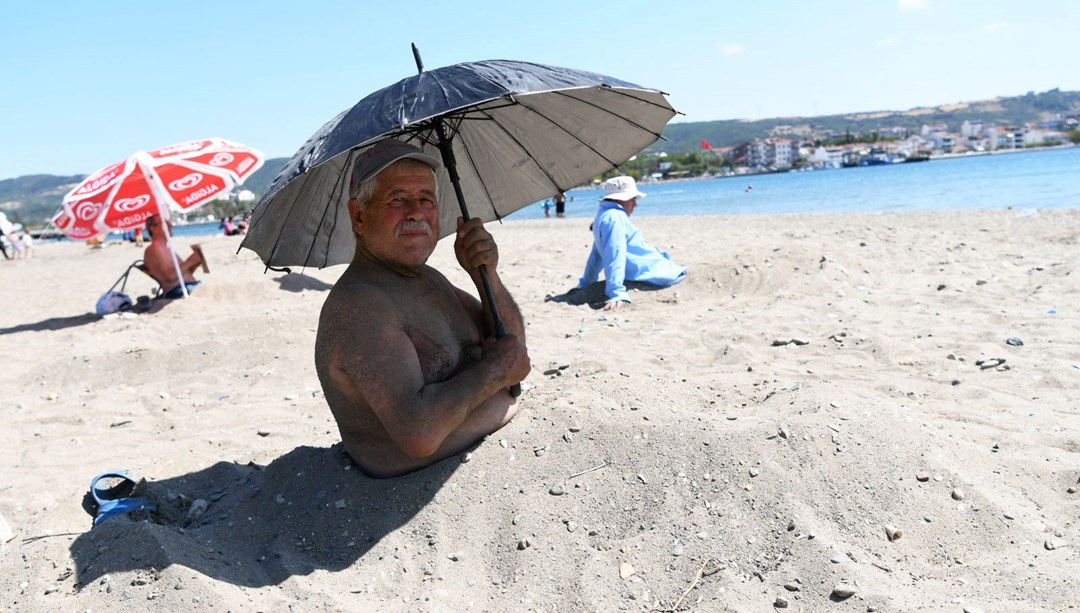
(505, 102)
(600, 108)
(532, 158)
(322, 218)
(575, 136)
(342, 180)
(483, 184)
(528, 153)
(568, 132)
(281, 229)
(469, 114)
(438, 81)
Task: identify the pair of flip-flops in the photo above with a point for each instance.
(111, 492)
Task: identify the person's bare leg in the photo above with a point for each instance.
(197, 259)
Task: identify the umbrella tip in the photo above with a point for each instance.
(416, 56)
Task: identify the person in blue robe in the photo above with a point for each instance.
(619, 250)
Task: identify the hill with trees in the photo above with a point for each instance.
(1031, 108)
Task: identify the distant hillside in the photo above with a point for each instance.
(1014, 111)
(32, 199)
(260, 181)
(27, 198)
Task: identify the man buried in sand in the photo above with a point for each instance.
(409, 363)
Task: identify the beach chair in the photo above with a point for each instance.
(122, 281)
(143, 302)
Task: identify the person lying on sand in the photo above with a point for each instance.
(158, 261)
(408, 363)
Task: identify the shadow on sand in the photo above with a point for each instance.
(298, 283)
(593, 294)
(311, 509)
(148, 306)
(52, 323)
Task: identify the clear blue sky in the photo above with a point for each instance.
(83, 84)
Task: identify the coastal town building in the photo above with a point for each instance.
(769, 153)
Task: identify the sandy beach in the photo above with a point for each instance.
(857, 412)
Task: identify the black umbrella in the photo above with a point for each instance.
(508, 133)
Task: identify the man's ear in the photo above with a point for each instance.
(355, 215)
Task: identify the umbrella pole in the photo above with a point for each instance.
(446, 149)
(175, 258)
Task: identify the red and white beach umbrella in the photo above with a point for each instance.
(180, 177)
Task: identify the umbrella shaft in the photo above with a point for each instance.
(446, 149)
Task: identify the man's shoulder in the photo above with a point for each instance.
(355, 293)
(153, 256)
(349, 309)
(359, 294)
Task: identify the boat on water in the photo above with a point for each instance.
(880, 157)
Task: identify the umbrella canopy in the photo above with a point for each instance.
(180, 177)
(519, 132)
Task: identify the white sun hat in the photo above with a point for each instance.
(621, 188)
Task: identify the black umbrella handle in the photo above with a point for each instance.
(500, 329)
(446, 149)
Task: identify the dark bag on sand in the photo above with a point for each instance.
(112, 302)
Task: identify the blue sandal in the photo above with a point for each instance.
(108, 507)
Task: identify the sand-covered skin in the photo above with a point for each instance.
(693, 442)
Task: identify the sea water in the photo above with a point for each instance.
(1046, 178)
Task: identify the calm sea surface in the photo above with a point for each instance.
(1025, 180)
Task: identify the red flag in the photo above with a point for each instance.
(705, 144)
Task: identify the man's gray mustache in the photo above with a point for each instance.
(410, 226)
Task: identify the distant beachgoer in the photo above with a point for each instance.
(560, 205)
(26, 243)
(618, 249)
(15, 238)
(547, 207)
(159, 261)
(749, 188)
